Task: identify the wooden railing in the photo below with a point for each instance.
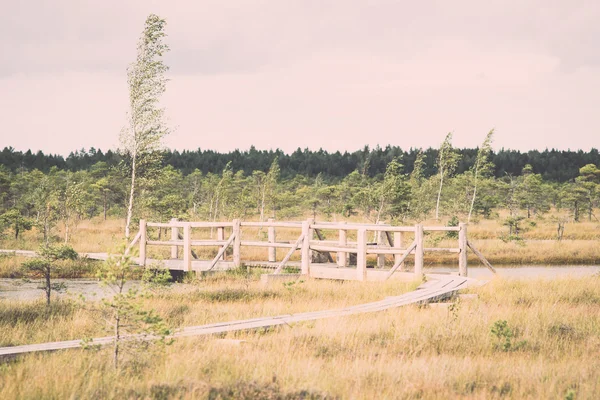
(387, 240)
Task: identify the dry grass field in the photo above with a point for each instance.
(517, 339)
(548, 348)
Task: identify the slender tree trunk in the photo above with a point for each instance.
(262, 205)
(380, 210)
(104, 206)
(48, 286)
(472, 203)
(437, 205)
(131, 195)
(17, 230)
(46, 228)
(474, 194)
(117, 340)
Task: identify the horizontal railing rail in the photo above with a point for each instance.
(387, 240)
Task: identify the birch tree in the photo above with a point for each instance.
(141, 138)
(482, 167)
(446, 163)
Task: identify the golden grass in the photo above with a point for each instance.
(409, 352)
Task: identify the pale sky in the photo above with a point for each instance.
(336, 74)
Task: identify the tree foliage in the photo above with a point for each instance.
(49, 260)
(141, 137)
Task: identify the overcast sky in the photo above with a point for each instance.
(307, 73)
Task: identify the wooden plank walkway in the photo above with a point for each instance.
(438, 287)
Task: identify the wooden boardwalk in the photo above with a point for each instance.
(438, 287)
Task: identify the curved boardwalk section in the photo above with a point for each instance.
(438, 287)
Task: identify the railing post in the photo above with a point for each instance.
(237, 243)
(342, 256)
(306, 248)
(143, 239)
(380, 257)
(221, 236)
(419, 251)
(361, 254)
(311, 235)
(271, 238)
(462, 246)
(398, 244)
(187, 247)
(174, 238)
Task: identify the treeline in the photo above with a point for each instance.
(552, 165)
(434, 188)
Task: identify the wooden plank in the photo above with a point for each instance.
(383, 250)
(137, 237)
(164, 242)
(266, 244)
(272, 251)
(361, 254)
(342, 256)
(296, 225)
(289, 254)
(441, 228)
(181, 224)
(481, 257)
(221, 236)
(219, 255)
(210, 224)
(419, 251)
(143, 241)
(305, 248)
(207, 242)
(164, 224)
(174, 238)
(380, 256)
(324, 248)
(369, 227)
(445, 286)
(332, 225)
(311, 236)
(187, 247)
(399, 261)
(441, 250)
(237, 243)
